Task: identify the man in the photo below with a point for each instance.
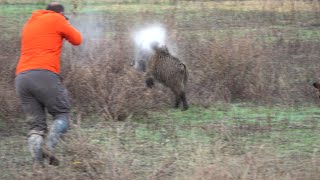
(37, 81)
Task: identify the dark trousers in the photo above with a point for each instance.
(41, 90)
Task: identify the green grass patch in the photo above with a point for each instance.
(289, 130)
(14, 10)
(191, 20)
(126, 8)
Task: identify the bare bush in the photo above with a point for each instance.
(105, 83)
(225, 67)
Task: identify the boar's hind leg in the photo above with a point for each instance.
(183, 98)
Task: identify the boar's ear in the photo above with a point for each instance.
(316, 85)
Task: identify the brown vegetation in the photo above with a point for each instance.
(256, 56)
(225, 67)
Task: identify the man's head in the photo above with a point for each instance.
(56, 7)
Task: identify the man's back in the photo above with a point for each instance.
(42, 39)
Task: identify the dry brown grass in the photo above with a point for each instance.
(225, 67)
(82, 157)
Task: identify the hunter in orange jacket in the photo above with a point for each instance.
(42, 39)
(38, 83)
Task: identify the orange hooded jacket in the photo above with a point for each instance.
(42, 40)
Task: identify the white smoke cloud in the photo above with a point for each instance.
(146, 36)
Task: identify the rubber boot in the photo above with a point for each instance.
(58, 128)
(35, 142)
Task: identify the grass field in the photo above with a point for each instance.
(245, 18)
(270, 142)
(253, 115)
